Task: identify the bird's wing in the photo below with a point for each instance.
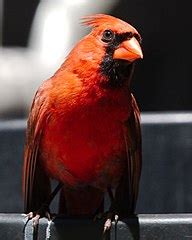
(134, 153)
(127, 191)
(36, 184)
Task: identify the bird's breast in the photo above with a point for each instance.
(86, 146)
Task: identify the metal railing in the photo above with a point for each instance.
(143, 226)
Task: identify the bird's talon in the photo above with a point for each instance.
(36, 220)
(107, 225)
(35, 216)
(29, 215)
(116, 218)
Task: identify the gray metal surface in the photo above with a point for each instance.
(166, 185)
(141, 227)
(154, 227)
(12, 226)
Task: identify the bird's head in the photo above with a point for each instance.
(108, 53)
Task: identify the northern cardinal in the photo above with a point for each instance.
(84, 126)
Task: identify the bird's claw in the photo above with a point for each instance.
(108, 223)
(36, 215)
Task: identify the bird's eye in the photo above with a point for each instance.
(108, 36)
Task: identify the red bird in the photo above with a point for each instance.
(84, 126)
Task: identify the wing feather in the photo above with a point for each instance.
(127, 190)
(134, 156)
(36, 184)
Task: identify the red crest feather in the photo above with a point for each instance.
(98, 19)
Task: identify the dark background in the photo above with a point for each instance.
(163, 80)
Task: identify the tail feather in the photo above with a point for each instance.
(87, 201)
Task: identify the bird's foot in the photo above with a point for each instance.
(110, 217)
(35, 216)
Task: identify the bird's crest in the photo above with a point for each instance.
(98, 19)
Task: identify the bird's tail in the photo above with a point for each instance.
(87, 201)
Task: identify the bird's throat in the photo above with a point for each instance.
(118, 73)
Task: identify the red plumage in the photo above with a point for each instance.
(83, 128)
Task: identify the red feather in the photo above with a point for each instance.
(82, 134)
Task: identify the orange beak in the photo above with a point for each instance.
(129, 50)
